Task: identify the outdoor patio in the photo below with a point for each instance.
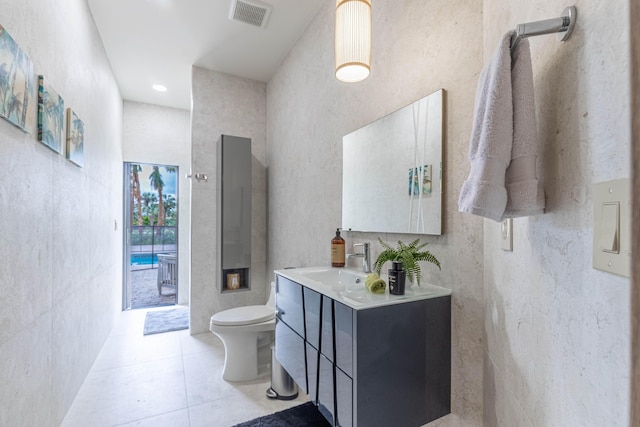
(144, 289)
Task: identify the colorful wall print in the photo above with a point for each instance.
(420, 173)
(50, 116)
(75, 138)
(16, 81)
(426, 179)
(414, 183)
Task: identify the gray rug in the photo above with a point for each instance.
(174, 319)
(305, 415)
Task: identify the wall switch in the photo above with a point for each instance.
(506, 234)
(611, 227)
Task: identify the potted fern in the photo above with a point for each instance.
(409, 254)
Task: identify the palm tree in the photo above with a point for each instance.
(155, 178)
(12, 71)
(27, 69)
(4, 79)
(149, 200)
(13, 105)
(169, 203)
(135, 192)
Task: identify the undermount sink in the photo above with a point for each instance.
(334, 277)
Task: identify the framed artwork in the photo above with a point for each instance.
(75, 138)
(414, 183)
(50, 116)
(416, 175)
(426, 179)
(16, 81)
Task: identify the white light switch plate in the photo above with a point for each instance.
(611, 227)
(506, 234)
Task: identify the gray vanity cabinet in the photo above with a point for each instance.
(290, 349)
(380, 366)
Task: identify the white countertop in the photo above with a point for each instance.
(345, 290)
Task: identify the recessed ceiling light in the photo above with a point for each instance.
(159, 88)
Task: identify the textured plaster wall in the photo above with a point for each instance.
(162, 135)
(418, 47)
(557, 331)
(61, 266)
(224, 105)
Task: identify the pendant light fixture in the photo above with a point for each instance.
(353, 40)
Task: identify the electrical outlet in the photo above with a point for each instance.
(506, 234)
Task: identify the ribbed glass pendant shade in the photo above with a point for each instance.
(353, 40)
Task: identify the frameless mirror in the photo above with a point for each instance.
(392, 171)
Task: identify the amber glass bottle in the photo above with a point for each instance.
(337, 250)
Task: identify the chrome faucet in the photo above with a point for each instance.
(365, 255)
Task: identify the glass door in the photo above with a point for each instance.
(151, 235)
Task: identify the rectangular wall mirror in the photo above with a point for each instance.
(392, 171)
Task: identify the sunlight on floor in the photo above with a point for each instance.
(170, 379)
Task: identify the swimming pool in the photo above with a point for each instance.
(144, 259)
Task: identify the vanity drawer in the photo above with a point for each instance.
(312, 317)
(344, 399)
(289, 304)
(326, 398)
(312, 372)
(290, 352)
(326, 347)
(344, 337)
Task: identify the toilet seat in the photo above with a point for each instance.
(240, 316)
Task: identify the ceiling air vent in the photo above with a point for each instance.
(250, 12)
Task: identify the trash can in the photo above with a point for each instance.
(282, 385)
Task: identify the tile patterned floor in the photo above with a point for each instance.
(144, 290)
(165, 380)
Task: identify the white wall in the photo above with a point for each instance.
(557, 331)
(539, 337)
(224, 105)
(162, 135)
(61, 253)
(418, 47)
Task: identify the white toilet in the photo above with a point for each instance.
(247, 334)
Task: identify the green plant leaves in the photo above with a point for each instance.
(410, 255)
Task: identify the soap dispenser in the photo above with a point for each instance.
(397, 277)
(337, 250)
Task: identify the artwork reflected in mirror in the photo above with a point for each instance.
(380, 159)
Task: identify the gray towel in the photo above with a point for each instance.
(524, 191)
(503, 148)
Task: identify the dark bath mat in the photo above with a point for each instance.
(174, 319)
(305, 415)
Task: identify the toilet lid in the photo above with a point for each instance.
(243, 315)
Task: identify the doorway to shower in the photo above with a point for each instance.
(151, 236)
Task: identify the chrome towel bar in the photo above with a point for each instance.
(562, 25)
